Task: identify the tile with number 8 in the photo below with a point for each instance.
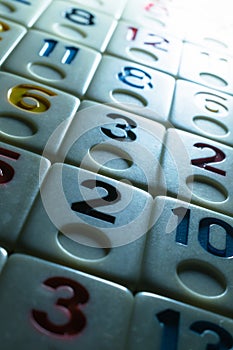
(60, 308)
(111, 7)
(78, 24)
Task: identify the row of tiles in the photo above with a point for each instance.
(65, 309)
(110, 229)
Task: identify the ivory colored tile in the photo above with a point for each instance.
(146, 46)
(60, 308)
(10, 34)
(77, 23)
(162, 323)
(116, 144)
(132, 87)
(54, 62)
(25, 12)
(188, 256)
(19, 185)
(212, 68)
(197, 169)
(90, 223)
(30, 112)
(203, 111)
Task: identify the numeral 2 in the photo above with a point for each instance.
(88, 208)
(202, 162)
(77, 320)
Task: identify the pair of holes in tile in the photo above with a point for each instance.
(207, 189)
(201, 278)
(84, 242)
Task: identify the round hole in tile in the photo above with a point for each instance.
(213, 79)
(210, 126)
(17, 127)
(83, 241)
(201, 278)
(110, 157)
(142, 55)
(69, 32)
(129, 98)
(207, 189)
(45, 71)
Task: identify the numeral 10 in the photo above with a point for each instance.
(182, 232)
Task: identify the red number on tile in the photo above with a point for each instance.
(6, 171)
(77, 320)
(203, 162)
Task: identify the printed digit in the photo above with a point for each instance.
(131, 33)
(183, 224)
(130, 74)
(3, 28)
(80, 16)
(126, 133)
(225, 338)
(23, 97)
(48, 47)
(204, 237)
(87, 208)
(6, 171)
(170, 320)
(157, 41)
(77, 320)
(203, 162)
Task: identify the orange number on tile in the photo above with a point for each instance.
(30, 97)
(6, 171)
(77, 320)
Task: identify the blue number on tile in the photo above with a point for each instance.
(182, 232)
(6, 171)
(204, 237)
(80, 16)
(113, 196)
(24, 2)
(123, 132)
(203, 162)
(49, 46)
(169, 319)
(77, 320)
(130, 74)
(225, 339)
